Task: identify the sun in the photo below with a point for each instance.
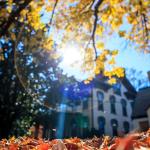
(72, 55)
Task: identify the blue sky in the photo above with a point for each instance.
(128, 57)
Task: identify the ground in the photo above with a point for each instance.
(134, 141)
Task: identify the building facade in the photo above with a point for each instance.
(98, 109)
(109, 109)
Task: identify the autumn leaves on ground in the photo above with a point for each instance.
(136, 141)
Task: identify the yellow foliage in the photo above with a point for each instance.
(113, 2)
(104, 18)
(100, 45)
(1, 57)
(112, 81)
(131, 18)
(119, 72)
(116, 23)
(49, 8)
(97, 71)
(122, 33)
(107, 73)
(48, 44)
(86, 82)
(74, 19)
(99, 30)
(114, 52)
(112, 61)
(13, 36)
(90, 78)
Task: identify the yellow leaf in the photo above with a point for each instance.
(122, 33)
(112, 81)
(9, 9)
(104, 18)
(112, 61)
(114, 52)
(90, 78)
(96, 71)
(13, 36)
(86, 82)
(100, 45)
(1, 57)
(99, 30)
(49, 8)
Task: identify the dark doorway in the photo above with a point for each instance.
(114, 125)
(101, 125)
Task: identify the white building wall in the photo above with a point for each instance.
(107, 111)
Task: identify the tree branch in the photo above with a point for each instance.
(53, 12)
(99, 2)
(146, 29)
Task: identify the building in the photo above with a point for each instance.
(94, 109)
(109, 108)
(141, 110)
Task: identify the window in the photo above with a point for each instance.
(74, 127)
(100, 98)
(101, 125)
(85, 103)
(124, 107)
(114, 125)
(126, 127)
(112, 104)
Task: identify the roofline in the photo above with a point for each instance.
(138, 117)
(129, 86)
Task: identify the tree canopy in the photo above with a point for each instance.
(86, 22)
(25, 76)
(27, 83)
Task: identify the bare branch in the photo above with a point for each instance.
(53, 12)
(95, 23)
(84, 8)
(146, 29)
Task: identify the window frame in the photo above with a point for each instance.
(114, 128)
(126, 126)
(102, 128)
(124, 107)
(100, 102)
(112, 100)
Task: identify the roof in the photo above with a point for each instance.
(84, 90)
(131, 93)
(141, 104)
(101, 82)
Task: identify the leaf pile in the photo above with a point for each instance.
(138, 141)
